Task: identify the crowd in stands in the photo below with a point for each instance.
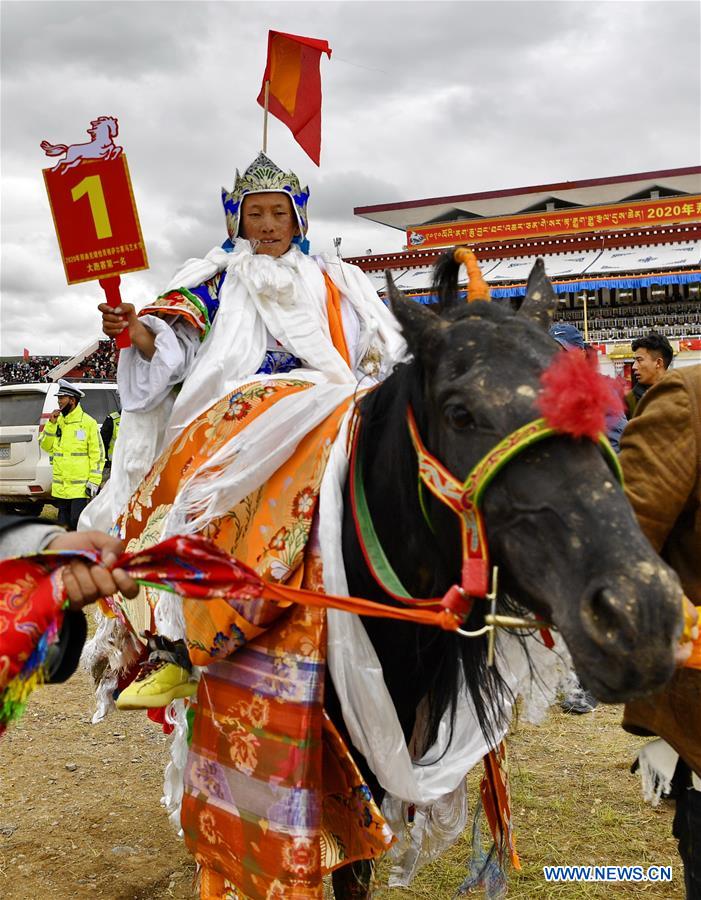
(100, 365)
(25, 371)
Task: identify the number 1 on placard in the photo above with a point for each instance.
(92, 186)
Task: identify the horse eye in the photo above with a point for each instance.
(458, 417)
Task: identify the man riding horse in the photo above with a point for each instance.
(255, 311)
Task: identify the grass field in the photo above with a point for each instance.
(80, 815)
(575, 803)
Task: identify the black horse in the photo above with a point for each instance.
(558, 524)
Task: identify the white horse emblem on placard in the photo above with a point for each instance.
(102, 130)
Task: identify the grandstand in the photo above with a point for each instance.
(95, 362)
(623, 252)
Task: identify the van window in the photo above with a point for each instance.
(99, 404)
(21, 407)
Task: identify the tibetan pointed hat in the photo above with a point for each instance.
(262, 177)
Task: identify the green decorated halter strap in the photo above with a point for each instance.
(464, 498)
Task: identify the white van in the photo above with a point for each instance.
(25, 469)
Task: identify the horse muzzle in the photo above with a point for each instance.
(622, 640)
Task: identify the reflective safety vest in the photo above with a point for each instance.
(77, 453)
(116, 418)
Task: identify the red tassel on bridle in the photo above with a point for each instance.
(576, 398)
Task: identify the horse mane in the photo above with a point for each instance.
(383, 415)
(450, 305)
(445, 283)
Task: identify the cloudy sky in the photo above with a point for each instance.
(421, 99)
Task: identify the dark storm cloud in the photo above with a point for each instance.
(420, 100)
(82, 39)
(338, 194)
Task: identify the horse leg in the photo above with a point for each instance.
(67, 164)
(354, 881)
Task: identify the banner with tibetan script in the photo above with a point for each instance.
(640, 214)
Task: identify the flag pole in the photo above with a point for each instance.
(265, 117)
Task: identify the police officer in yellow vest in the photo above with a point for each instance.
(72, 439)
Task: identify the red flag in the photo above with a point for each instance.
(25, 353)
(294, 93)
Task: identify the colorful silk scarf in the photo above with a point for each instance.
(31, 614)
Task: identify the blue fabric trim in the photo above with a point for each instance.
(211, 303)
(573, 286)
(278, 362)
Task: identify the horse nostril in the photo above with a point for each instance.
(608, 617)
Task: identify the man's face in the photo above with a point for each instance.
(268, 219)
(647, 367)
(65, 404)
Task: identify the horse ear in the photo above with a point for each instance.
(541, 300)
(420, 325)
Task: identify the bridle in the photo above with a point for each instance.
(464, 498)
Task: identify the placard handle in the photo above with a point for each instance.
(111, 288)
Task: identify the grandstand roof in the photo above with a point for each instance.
(511, 201)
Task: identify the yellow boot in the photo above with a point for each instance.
(164, 677)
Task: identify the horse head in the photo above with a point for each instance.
(107, 122)
(558, 523)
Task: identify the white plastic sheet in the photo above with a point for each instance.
(645, 259)
(557, 265)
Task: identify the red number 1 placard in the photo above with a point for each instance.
(94, 212)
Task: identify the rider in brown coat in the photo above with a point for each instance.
(661, 460)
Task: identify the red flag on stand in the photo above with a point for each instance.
(294, 92)
(25, 354)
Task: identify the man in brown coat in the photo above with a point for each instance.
(661, 460)
(652, 355)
